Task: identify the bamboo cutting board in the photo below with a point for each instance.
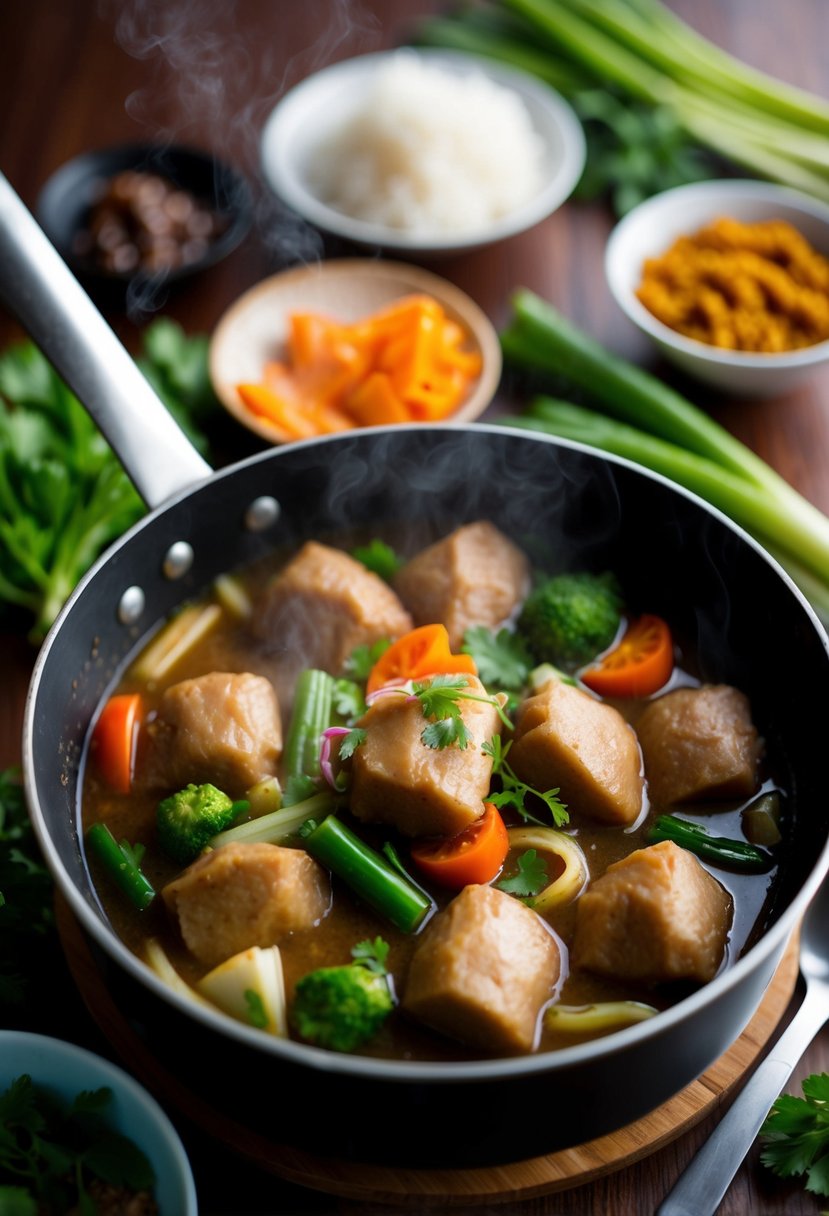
(414, 1188)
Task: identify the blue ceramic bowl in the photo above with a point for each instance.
(65, 1069)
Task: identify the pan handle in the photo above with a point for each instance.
(39, 289)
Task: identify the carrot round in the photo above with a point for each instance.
(421, 652)
(114, 740)
(476, 855)
(639, 666)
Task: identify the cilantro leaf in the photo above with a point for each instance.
(349, 702)
(514, 792)
(350, 742)
(502, 658)
(380, 558)
(372, 955)
(361, 660)
(298, 787)
(255, 1008)
(795, 1135)
(446, 732)
(530, 877)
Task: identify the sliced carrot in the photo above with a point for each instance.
(475, 855)
(421, 652)
(328, 380)
(639, 666)
(375, 402)
(115, 737)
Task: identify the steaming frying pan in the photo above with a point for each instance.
(675, 555)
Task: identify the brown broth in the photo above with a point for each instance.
(230, 647)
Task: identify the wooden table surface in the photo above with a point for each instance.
(75, 75)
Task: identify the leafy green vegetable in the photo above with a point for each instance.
(795, 1136)
(530, 877)
(514, 792)
(502, 658)
(372, 955)
(64, 496)
(361, 660)
(348, 700)
(439, 697)
(54, 1152)
(655, 426)
(350, 742)
(380, 558)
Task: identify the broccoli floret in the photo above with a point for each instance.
(188, 820)
(569, 618)
(343, 1007)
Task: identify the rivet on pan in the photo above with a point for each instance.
(131, 605)
(261, 513)
(179, 559)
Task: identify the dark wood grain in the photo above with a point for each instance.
(75, 74)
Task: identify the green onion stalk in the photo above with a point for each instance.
(640, 418)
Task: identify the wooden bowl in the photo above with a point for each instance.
(254, 328)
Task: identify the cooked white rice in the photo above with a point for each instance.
(431, 151)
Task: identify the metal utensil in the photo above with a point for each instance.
(702, 1186)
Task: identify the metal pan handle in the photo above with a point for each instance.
(38, 288)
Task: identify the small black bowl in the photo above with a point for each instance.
(68, 200)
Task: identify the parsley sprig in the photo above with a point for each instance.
(502, 658)
(439, 700)
(514, 792)
(51, 1151)
(795, 1135)
(372, 955)
(529, 878)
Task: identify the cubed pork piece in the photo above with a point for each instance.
(223, 728)
(566, 738)
(699, 743)
(419, 790)
(483, 970)
(322, 605)
(474, 576)
(656, 915)
(243, 895)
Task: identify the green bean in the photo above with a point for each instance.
(120, 864)
(720, 850)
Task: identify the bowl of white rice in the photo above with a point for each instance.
(422, 151)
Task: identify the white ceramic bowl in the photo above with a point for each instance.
(654, 225)
(306, 117)
(66, 1069)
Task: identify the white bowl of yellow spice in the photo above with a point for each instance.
(730, 279)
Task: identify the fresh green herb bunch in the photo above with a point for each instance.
(64, 496)
(341, 1008)
(569, 618)
(26, 917)
(795, 1136)
(53, 1153)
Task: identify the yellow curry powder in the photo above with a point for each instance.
(751, 287)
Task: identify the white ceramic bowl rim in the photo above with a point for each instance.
(726, 189)
(280, 167)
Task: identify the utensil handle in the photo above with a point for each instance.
(701, 1187)
(38, 288)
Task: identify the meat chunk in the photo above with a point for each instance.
(223, 727)
(420, 790)
(244, 895)
(656, 915)
(566, 738)
(699, 743)
(483, 971)
(324, 604)
(474, 576)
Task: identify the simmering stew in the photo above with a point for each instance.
(432, 805)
